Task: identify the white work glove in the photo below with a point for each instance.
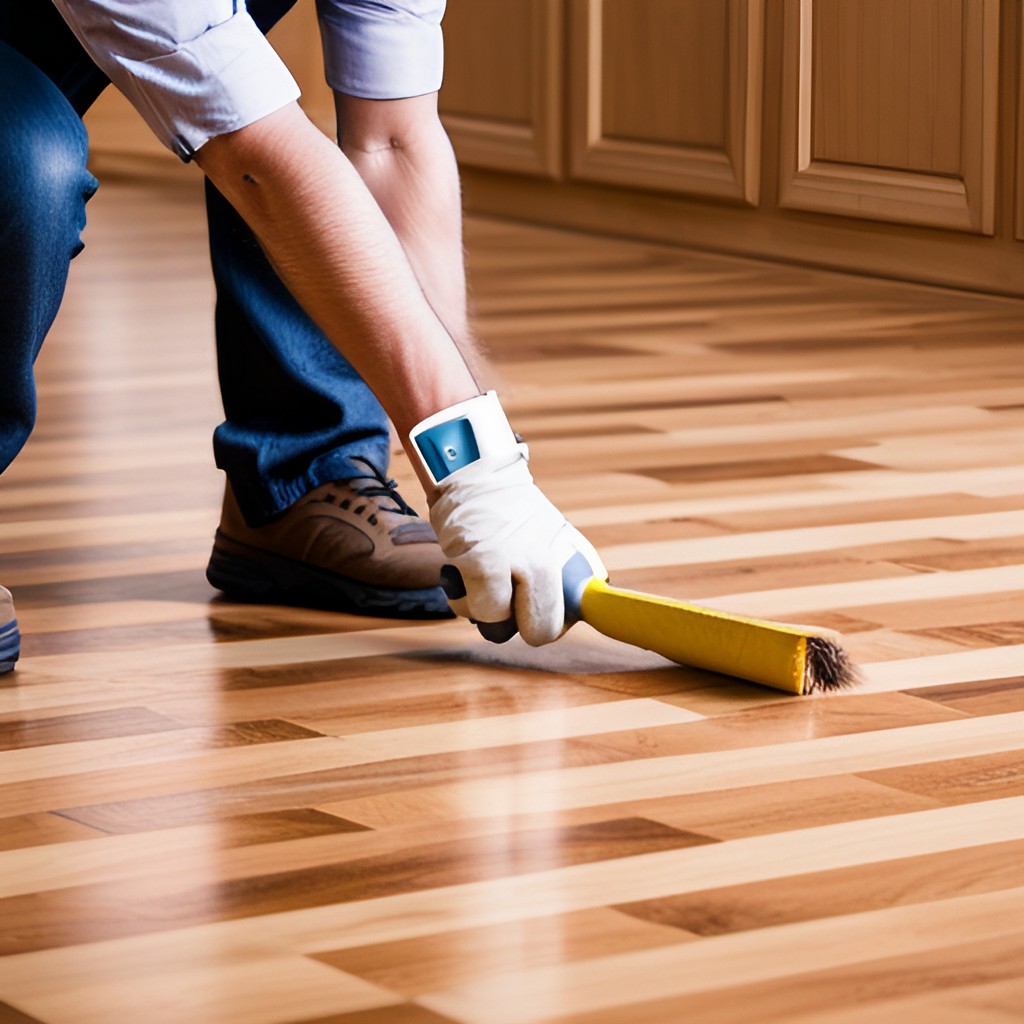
(507, 541)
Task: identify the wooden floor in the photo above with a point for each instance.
(212, 813)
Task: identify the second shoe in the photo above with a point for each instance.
(352, 546)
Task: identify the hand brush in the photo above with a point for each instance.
(796, 659)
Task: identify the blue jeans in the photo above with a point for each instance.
(297, 415)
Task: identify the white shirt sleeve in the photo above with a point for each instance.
(382, 49)
(194, 69)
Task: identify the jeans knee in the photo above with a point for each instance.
(44, 183)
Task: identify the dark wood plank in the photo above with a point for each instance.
(26, 830)
(816, 895)
(19, 733)
(961, 780)
(49, 920)
(978, 697)
(405, 1013)
(752, 468)
(10, 1015)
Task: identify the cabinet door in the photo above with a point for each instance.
(666, 94)
(890, 110)
(502, 95)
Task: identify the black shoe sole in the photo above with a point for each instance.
(248, 574)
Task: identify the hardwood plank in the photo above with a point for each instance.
(991, 632)
(876, 487)
(984, 526)
(743, 958)
(416, 966)
(979, 697)
(774, 807)
(10, 1015)
(315, 694)
(505, 730)
(69, 533)
(260, 988)
(710, 772)
(59, 917)
(995, 1002)
(31, 763)
(780, 722)
(818, 895)
(960, 780)
(401, 1013)
(245, 846)
(20, 733)
(943, 669)
(873, 988)
(876, 593)
(32, 830)
(739, 469)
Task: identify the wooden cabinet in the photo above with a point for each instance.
(503, 104)
(890, 110)
(882, 136)
(876, 135)
(667, 94)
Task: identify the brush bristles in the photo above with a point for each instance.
(827, 667)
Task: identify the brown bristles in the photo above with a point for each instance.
(827, 667)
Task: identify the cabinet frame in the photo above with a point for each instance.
(964, 203)
(729, 173)
(534, 148)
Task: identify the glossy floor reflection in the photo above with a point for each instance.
(218, 813)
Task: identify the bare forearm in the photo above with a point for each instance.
(402, 153)
(335, 251)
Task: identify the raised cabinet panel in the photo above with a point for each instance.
(667, 94)
(502, 95)
(890, 110)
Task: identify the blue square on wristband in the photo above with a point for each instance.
(449, 446)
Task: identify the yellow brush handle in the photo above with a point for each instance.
(762, 652)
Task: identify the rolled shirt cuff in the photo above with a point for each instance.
(383, 51)
(221, 80)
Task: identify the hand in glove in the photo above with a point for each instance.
(507, 541)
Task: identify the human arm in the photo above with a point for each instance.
(334, 249)
(402, 153)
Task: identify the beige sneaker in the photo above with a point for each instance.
(10, 639)
(353, 546)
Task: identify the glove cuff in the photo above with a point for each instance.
(461, 435)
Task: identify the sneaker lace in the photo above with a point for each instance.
(381, 487)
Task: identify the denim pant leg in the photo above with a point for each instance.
(296, 413)
(44, 186)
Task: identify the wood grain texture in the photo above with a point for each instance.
(502, 103)
(666, 96)
(267, 815)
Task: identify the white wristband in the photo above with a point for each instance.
(461, 435)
